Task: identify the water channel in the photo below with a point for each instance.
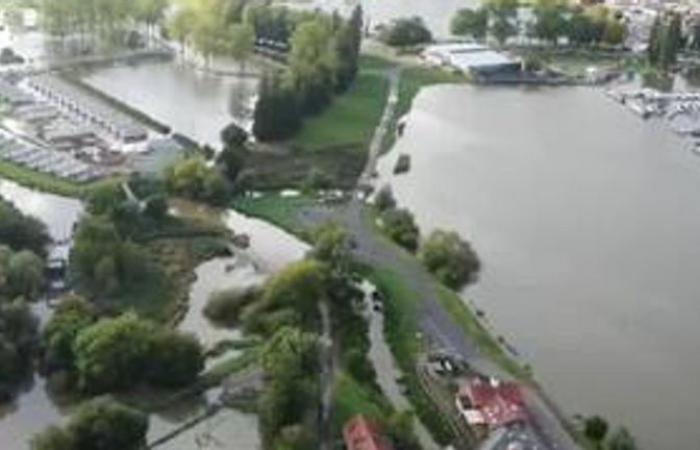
(270, 250)
(586, 219)
(194, 103)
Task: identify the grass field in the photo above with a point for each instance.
(41, 181)
(350, 121)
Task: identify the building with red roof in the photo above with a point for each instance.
(491, 403)
(361, 434)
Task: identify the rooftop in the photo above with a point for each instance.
(499, 403)
(361, 434)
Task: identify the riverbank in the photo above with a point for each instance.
(42, 182)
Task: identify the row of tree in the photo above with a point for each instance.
(444, 253)
(553, 20)
(103, 17)
(22, 240)
(665, 41)
(323, 61)
(101, 423)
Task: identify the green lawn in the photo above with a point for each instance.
(41, 181)
(350, 121)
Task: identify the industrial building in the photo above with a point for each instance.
(471, 58)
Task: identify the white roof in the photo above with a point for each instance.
(452, 48)
(482, 59)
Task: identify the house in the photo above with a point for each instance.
(489, 404)
(361, 434)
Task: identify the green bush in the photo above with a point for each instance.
(450, 258)
(99, 424)
(224, 307)
(400, 226)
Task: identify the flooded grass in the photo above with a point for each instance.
(281, 211)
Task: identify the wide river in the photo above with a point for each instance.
(587, 220)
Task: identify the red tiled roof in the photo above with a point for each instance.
(500, 404)
(360, 434)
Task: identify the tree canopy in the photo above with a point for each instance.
(100, 424)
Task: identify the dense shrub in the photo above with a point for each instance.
(224, 307)
(117, 353)
(385, 199)
(406, 32)
(450, 258)
(101, 424)
(20, 232)
(400, 226)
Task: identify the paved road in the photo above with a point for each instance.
(440, 328)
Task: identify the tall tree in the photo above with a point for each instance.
(504, 19)
(655, 38)
(550, 22)
(312, 64)
(242, 43)
(470, 22)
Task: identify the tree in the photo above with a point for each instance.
(102, 259)
(52, 438)
(581, 30)
(290, 363)
(333, 246)
(103, 424)
(400, 226)
(450, 258)
(406, 32)
(655, 38)
(72, 315)
(470, 22)
(18, 329)
(671, 42)
(193, 178)
(550, 23)
(621, 439)
(25, 274)
(176, 359)
(595, 428)
(242, 42)
(277, 112)
(384, 199)
(298, 286)
(312, 64)
(504, 14)
(20, 232)
(615, 33)
(113, 353)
